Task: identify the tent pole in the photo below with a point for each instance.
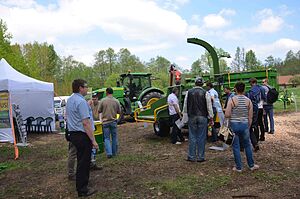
(13, 130)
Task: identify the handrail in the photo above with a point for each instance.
(138, 110)
(157, 109)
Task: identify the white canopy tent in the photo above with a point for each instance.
(34, 97)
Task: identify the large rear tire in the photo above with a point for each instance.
(151, 98)
(162, 128)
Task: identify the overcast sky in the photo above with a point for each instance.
(148, 28)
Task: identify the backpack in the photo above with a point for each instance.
(255, 96)
(272, 95)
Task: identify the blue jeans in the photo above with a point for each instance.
(269, 112)
(197, 137)
(241, 131)
(110, 131)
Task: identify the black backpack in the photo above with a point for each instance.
(272, 95)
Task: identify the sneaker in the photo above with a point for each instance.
(109, 156)
(271, 132)
(256, 148)
(185, 139)
(237, 170)
(178, 143)
(255, 167)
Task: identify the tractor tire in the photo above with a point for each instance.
(150, 96)
(162, 128)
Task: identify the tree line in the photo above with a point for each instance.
(40, 61)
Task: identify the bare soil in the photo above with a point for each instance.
(150, 167)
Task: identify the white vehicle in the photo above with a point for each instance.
(60, 106)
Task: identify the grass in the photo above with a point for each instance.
(14, 165)
(190, 185)
(279, 105)
(269, 177)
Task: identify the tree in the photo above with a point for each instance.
(251, 62)
(196, 67)
(158, 65)
(111, 58)
(270, 61)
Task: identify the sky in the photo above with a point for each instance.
(151, 28)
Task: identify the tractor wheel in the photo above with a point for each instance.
(151, 98)
(162, 128)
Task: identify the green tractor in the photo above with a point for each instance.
(158, 113)
(133, 90)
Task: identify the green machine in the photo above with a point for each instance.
(133, 90)
(157, 113)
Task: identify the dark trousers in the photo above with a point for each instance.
(260, 124)
(83, 145)
(176, 132)
(214, 128)
(254, 127)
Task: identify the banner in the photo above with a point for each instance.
(4, 110)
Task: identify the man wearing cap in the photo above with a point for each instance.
(81, 134)
(197, 105)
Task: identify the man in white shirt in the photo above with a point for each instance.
(217, 110)
(175, 114)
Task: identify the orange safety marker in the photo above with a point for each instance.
(13, 131)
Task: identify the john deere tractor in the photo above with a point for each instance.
(133, 90)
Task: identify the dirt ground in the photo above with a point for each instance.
(150, 167)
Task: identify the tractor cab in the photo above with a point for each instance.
(135, 83)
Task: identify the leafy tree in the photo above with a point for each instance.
(270, 61)
(196, 67)
(238, 64)
(251, 61)
(111, 81)
(158, 65)
(111, 58)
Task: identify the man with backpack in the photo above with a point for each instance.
(271, 97)
(256, 94)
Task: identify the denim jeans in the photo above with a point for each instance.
(197, 137)
(241, 131)
(110, 132)
(269, 112)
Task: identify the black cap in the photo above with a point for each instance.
(199, 80)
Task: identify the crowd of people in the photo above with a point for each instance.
(248, 115)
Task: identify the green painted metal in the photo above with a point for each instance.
(221, 80)
(211, 51)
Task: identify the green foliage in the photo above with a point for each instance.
(111, 81)
(251, 62)
(291, 64)
(161, 80)
(158, 65)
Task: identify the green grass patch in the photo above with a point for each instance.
(130, 158)
(12, 165)
(290, 107)
(190, 185)
(111, 195)
(269, 177)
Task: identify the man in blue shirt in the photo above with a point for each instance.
(81, 134)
